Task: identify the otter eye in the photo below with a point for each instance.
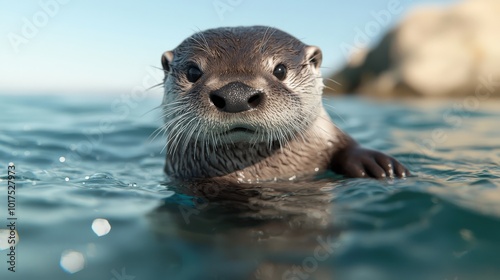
(193, 74)
(280, 72)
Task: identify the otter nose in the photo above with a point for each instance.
(236, 97)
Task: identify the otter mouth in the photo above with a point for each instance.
(240, 129)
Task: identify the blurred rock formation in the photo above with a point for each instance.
(434, 51)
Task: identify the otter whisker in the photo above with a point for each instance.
(173, 123)
(202, 46)
(187, 136)
(205, 42)
(331, 80)
(198, 125)
(266, 40)
(163, 129)
(335, 112)
(332, 89)
(151, 110)
(179, 128)
(155, 86)
(156, 67)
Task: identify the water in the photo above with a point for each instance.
(84, 158)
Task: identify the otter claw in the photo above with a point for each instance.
(362, 163)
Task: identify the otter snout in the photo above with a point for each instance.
(236, 97)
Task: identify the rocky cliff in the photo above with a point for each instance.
(433, 52)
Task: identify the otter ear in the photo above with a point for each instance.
(166, 59)
(314, 56)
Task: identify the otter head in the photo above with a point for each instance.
(231, 86)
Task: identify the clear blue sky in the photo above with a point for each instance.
(76, 46)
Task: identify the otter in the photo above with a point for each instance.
(244, 104)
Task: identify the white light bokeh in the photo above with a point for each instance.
(4, 239)
(72, 261)
(101, 227)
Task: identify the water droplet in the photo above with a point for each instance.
(11, 164)
(66, 179)
(101, 227)
(292, 178)
(72, 261)
(87, 177)
(62, 159)
(316, 169)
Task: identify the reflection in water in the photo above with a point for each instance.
(251, 223)
(344, 229)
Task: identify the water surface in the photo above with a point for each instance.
(83, 158)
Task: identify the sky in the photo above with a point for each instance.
(83, 47)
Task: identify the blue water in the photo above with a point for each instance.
(83, 158)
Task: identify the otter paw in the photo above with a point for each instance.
(364, 163)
